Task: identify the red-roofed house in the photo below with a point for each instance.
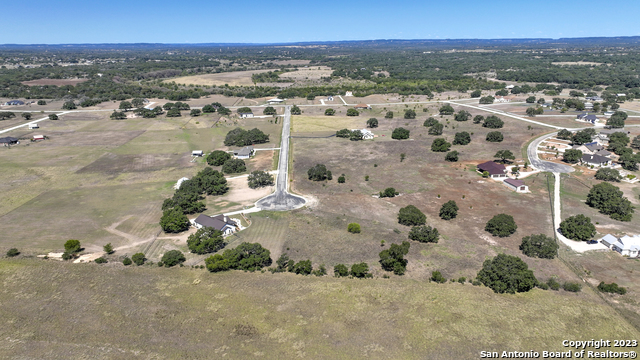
(517, 185)
(494, 169)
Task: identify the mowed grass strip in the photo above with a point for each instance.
(109, 311)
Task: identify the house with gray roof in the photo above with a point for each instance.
(6, 141)
(595, 160)
(220, 222)
(590, 118)
(626, 245)
(589, 148)
(244, 153)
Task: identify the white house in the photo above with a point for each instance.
(219, 222)
(517, 185)
(180, 181)
(348, 93)
(366, 134)
(595, 160)
(197, 153)
(244, 153)
(246, 115)
(626, 245)
(275, 101)
(509, 86)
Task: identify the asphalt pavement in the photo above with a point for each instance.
(543, 165)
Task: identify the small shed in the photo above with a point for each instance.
(246, 115)
(275, 101)
(197, 153)
(517, 185)
(33, 126)
(38, 137)
(362, 106)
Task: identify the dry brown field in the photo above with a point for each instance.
(233, 78)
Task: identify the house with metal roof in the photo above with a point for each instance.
(516, 185)
(220, 222)
(275, 101)
(244, 153)
(494, 169)
(590, 118)
(14, 102)
(626, 245)
(595, 160)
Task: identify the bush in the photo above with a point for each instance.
(501, 225)
(393, 259)
(72, 246)
(440, 145)
(542, 286)
(53, 117)
(400, 133)
(409, 114)
(69, 105)
(553, 284)
(344, 133)
(411, 216)
(126, 261)
(319, 173)
(493, 122)
(233, 166)
(353, 228)
(389, 115)
(260, 178)
(612, 288)
(449, 210)
(571, 286)
(206, 240)
(218, 157)
(507, 274)
(329, 112)
(476, 93)
(360, 270)
(495, 136)
(303, 267)
(138, 259)
(424, 234)
(452, 156)
(341, 179)
(437, 277)
(340, 270)
(101, 260)
(172, 258)
(436, 129)
(430, 122)
(42, 102)
(13, 252)
(578, 227)
(352, 112)
(540, 246)
(462, 138)
(389, 192)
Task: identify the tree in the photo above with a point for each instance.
(572, 156)
(269, 110)
(137, 102)
(72, 246)
(440, 145)
(352, 112)
(452, 156)
(564, 134)
(487, 100)
(372, 123)
(462, 138)
(629, 161)
(206, 240)
(218, 157)
(108, 248)
(578, 227)
(42, 102)
(400, 133)
(446, 110)
(617, 119)
(425, 234)
(173, 258)
(329, 112)
(608, 174)
(411, 216)
(138, 259)
(507, 274)
(13, 252)
(173, 220)
(501, 225)
(476, 93)
(478, 119)
(341, 179)
(344, 133)
(504, 155)
(389, 115)
(340, 270)
(356, 135)
(295, 110)
(583, 136)
(224, 111)
(388, 192)
(493, 122)
(392, 259)
(125, 105)
(260, 178)
(174, 113)
(494, 136)
(436, 276)
(449, 210)
(462, 115)
(211, 182)
(430, 122)
(126, 261)
(208, 109)
(26, 115)
(233, 166)
(53, 117)
(303, 267)
(540, 246)
(118, 115)
(636, 142)
(244, 110)
(360, 270)
(612, 288)
(541, 101)
(530, 100)
(318, 173)
(531, 111)
(69, 105)
(409, 114)
(610, 201)
(195, 112)
(246, 256)
(353, 228)
(436, 129)
(242, 137)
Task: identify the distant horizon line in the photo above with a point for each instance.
(323, 41)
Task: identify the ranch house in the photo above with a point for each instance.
(219, 222)
(626, 245)
(494, 169)
(244, 153)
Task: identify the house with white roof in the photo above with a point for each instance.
(220, 222)
(275, 101)
(366, 134)
(626, 245)
(179, 183)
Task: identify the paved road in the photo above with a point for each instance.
(543, 165)
(281, 200)
(502, 113)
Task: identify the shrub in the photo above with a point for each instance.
(507, 274)
(424, 234)
(53, 117)
(360, 270)
(341, 179)
(578, 227)
(389, 115)
(462, 138)
(340, 270)
(329, 112)
(388, 192)
(540, 246)
(437, 277)
(13, 252)
(303, 267)
(108, 248)
(138, 259)
(542, 286)
(319, 173)
(452, 156)
(72, 246)
(352, 112)
(246, 256)
(612, 288)
(495, 136)
(411, 216)
(353, 228)
(501, 225)
(172, 258)
(392, 259)
(409, 114)
(69, 105)
(449, 210)
(553, 284)
(440, 145)
(218, 157)
(101, 260)
(571, 286)
(400, 133)
(126, 261)
(493, 122)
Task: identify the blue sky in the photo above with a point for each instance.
(252, 21)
